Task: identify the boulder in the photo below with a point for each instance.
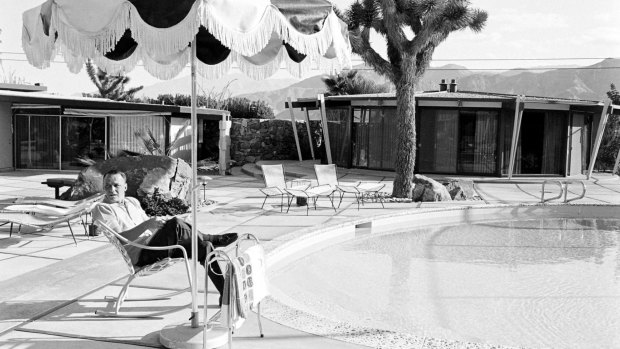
(428, 189)
(461, 189)
(172, 176)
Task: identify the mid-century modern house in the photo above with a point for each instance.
(44, 131)
(466, 133)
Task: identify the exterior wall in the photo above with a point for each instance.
(6, 136)
(262, 139)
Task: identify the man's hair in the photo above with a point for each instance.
(115, 172)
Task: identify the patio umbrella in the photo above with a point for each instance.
(258, 36)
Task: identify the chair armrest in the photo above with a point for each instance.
(141, 246)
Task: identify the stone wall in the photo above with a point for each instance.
(270, 139)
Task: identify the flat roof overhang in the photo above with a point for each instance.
(447, 101)
(25, 99)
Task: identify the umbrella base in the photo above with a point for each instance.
(187, 337)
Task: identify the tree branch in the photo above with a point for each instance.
(393, 23)
(361, 45)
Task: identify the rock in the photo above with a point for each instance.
(460, 189)
(144, 173)
(427, 189)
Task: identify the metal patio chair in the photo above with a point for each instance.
(275, 183)
(327, 175)
(118, 241)
(44, 217)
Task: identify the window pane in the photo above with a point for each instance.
(36, 138)
(82, 138)
(123, 128)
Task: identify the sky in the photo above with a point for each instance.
(518, 34)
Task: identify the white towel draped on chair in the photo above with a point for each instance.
(249, 283)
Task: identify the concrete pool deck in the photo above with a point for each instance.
(49, 288)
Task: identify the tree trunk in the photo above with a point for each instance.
(406, 144)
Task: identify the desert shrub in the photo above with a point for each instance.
(158, 205)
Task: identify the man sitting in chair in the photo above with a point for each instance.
(125, 216)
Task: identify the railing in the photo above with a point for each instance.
(563, 190)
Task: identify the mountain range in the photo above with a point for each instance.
(589, 82)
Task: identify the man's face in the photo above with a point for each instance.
(114, 187)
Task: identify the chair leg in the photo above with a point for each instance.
(331, 199)
(263, 205)
(72, 235)
(11, 231)
(341, 196)
(357, 198)
(290, 201)
(260, 325)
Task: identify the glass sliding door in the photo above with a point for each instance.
(82, 138)
(553, 153)
(438, 145)
(36, 141)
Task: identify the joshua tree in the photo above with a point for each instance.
(110, 86)
(431, 21)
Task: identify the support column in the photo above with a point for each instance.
(519, 106)
(328, 148)
(224, 143)
(599, 137)
(294, 124)
(307, 116)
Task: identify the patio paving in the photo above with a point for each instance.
(49, 288)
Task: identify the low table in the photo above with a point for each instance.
(58, 183)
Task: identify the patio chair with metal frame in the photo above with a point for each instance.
(328, 175)
(311, 194)
(44, 217)
(275, 183)
(118, 241)
(43, 208)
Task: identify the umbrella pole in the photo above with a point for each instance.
(194, 162)
(192, 335)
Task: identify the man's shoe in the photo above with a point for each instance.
(224, 239)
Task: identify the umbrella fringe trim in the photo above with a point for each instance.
(165, 41)
(39, 55)
(247, 43)
(38, 47)
(94, 44)
(260, 72)
(213, 72)
(166, 71)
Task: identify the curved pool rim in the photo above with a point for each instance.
(306, 241)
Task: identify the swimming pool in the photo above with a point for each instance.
(537, 277)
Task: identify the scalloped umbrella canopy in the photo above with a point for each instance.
(258, 36)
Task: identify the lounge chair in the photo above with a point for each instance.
(134, 272)
(275, 183)
(38, 200)
(327, 175)
(50, 209)
(43, 221)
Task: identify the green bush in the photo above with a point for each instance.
(158, 205)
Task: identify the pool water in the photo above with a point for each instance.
(536, 283)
